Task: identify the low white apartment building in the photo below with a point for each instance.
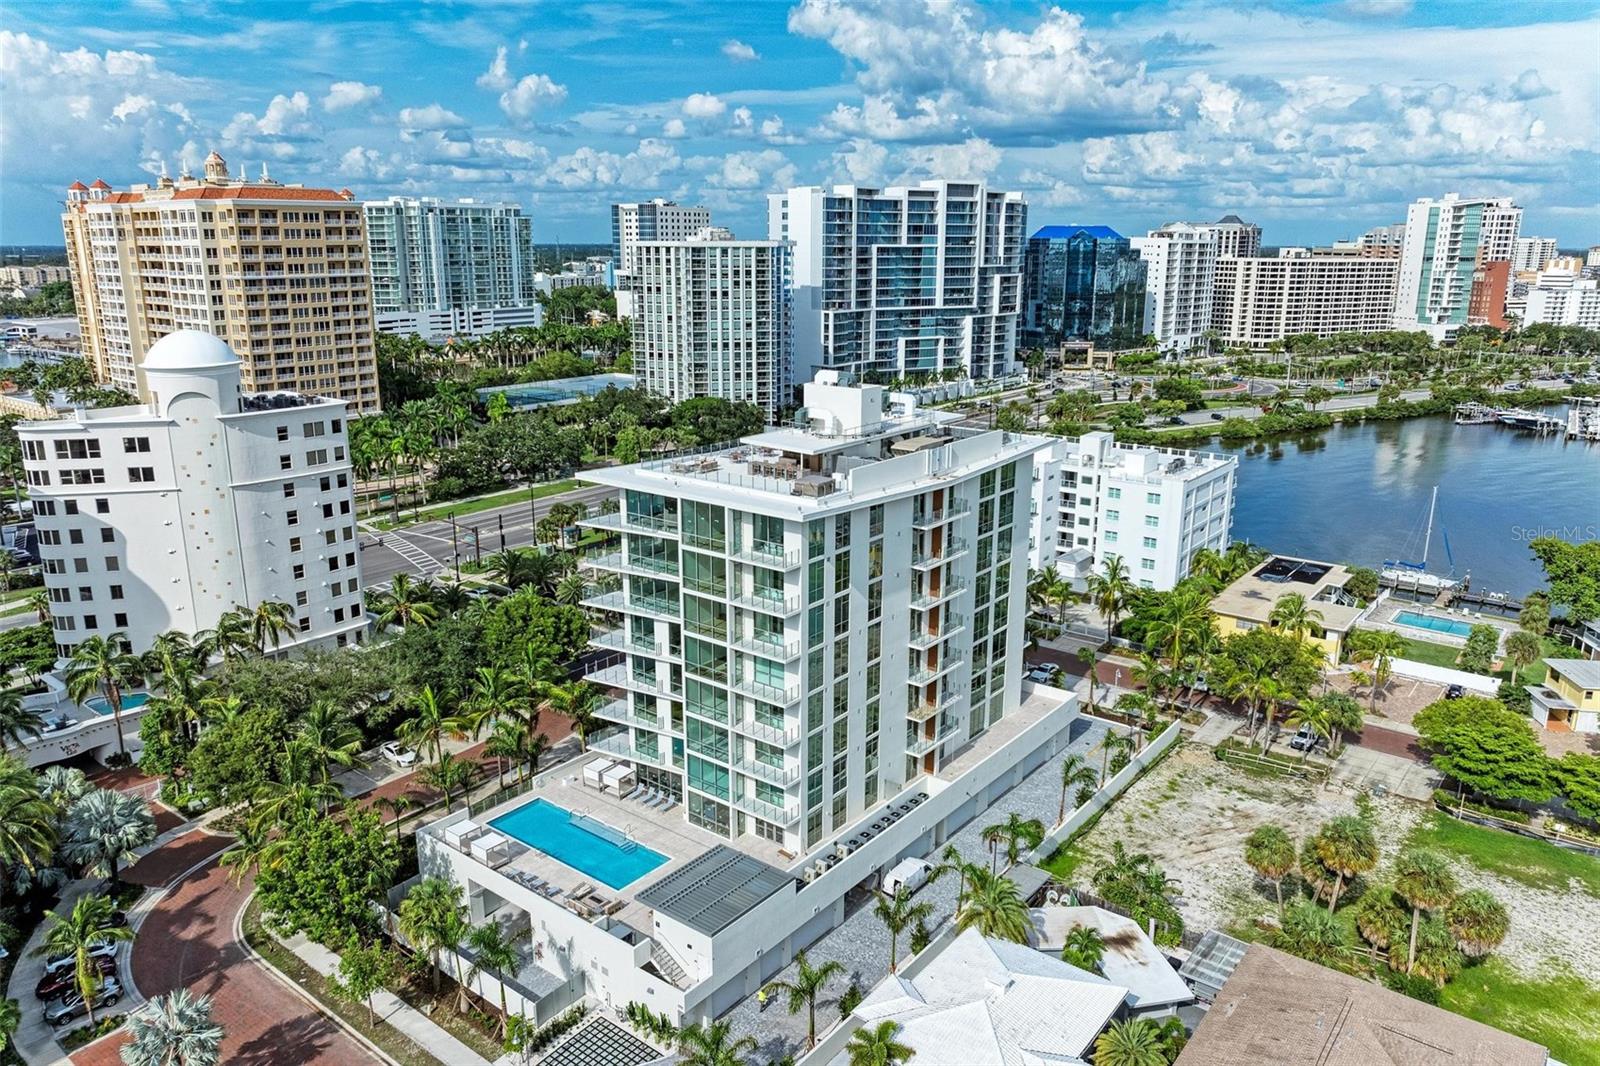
(1182, 262)
(1561, 298)
(817, 665)
(1153, 507)
(164, 515)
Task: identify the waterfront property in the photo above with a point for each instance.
(1432, 624)
(1569, 698)
(1248, 602)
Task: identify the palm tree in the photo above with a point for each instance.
(1478, 921)
(1381, 648)
(1131, 1042)
(1438, 958)
(10, 1021)
(994, 908)
(449, 775)
(104, 665)
(27, 819)
(898, 913)
(507, 743)
(1091, 663)
(1346, 846)
(328, 737)
(1271, 854)
(1110, 590)
(39, 602)
(1084, 948)
(1313, 714)
(1378, 919)
(712, 1044)
(571, 590)
(1344, 716)
(1313, 934)
(16, 724)
(426, 730)
(431, 919)
(63, 786)
(493, 693)
(174, 1030)
(577, 700)
(951, 862)
(1423, 879)
(1075, 773)
(492, 953)
(1522, 650)
(805, 988)
(406, 604)
(230, 638)
(76, 934)
(104, 829)
(252, 848)
(510, 567)
(1184, 623)
(1292, 615)
(270, 622)
(875, 1045)
(1017, 832)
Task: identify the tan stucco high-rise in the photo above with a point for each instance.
(277, 271)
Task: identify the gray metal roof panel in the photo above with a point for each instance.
(713, 890)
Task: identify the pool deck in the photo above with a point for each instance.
(1384, 618)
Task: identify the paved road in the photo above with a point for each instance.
(428, 547)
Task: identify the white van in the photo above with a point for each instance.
(909, 874)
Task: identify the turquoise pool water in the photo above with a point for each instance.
(130, 700)
(590, 847)
(1432, 624)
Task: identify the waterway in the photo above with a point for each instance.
(1359, 494)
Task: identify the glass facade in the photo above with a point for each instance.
(1083, 283)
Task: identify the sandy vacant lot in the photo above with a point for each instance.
(1192, 813)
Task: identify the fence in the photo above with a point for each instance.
(1114, 786)
(1286, 767)
(1549, 836)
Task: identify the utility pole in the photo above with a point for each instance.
(500, 520)
(477, 547)
(455, 547)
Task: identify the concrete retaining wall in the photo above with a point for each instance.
(1114, 787)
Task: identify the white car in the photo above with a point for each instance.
(106, 949)
(398, 754)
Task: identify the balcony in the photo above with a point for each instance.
(921, 601)
(619, 745)
(929, 519)
(922, 711)
(621, 563)
(619, 676)
(924, 674)
(769, 603)
(781, 697)
(770, 649)
(952, 549)
(622, 711)
(948, 628)
(921, 745)
(770, 734)
(616, 521)
(650, 606)
(776, 775)
(771, 555)
(620, 640)
(786, 815)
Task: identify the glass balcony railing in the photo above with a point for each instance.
(929, 519)
(776, 775)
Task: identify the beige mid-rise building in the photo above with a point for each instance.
(277, 271)
(1321, 291)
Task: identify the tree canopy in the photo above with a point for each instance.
(1573, 571)
(1487, 748)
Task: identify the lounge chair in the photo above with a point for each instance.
(660, 802)
(647, 796)
(581, 889)
(671, 803)
(634, 791)
(550, 891)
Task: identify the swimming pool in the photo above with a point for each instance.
(130, 700)
(1432, 624)
(590, 847)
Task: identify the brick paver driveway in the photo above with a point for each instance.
(188, 941)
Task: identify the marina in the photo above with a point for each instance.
(1581, 422)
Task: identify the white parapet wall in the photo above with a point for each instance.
(1444, 675)
(1114, 787)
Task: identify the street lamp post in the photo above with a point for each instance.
(455, 547)
(500, 520)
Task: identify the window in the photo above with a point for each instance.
(102, 506)
(299, 571)
(88, 476)
(120, 620)
(1150, 542)
(316, 457)
(288, 490)
(88, 448)
(283, 433)
(135, 444)
(305, 624)
(91, 622)
(1113, 494)
(1147, 563)
(1111, 536)
(108, 535)
(1152, 497)
(301, 599)
(1113, 516)
(285, 462)
(141, 474)
(75, 536)
(116, 592)
(294, 544)
(113, 563)
(85, 593)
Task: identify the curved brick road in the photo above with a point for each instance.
(188, 940)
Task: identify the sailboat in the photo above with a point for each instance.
(1407, 574)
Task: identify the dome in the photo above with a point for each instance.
(189, 349)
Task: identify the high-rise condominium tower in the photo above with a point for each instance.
(1446, 240)
(278, 271)
(711, 318)
(1181, 260)
(1236, 237)
(905, 281)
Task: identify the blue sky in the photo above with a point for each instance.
(1316, 119)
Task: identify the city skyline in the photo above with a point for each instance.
(1335, 118)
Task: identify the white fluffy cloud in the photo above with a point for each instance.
(343, 95)
(432, 117)
(498, 76)
(739, 52)
(703, 106)
(591, 168)
(279, 131)
(528, 95)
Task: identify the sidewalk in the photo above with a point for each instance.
(413, 1023)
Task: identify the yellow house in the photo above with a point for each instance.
(1247, 603)
(1569, 699)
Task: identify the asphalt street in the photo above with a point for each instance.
(429, 547)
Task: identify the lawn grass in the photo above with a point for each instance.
(1517, 858)
(393, 1042)
(1425, 651)
(1534, 672)
(1554, 1008)
(481, 503)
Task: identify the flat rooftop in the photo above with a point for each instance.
(1253, 596)
(710, 892)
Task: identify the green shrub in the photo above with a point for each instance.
(1419, 988)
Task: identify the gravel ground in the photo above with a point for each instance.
(1193, 813)
(861, 943)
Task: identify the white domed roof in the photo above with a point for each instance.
(189, 349)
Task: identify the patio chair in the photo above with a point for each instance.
(550, 891)
(671, 803)
(581, 889)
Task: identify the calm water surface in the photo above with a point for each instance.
(1360, 494)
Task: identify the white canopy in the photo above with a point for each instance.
(619, 775)
(594, 771)
(460, 831)
(490, 849)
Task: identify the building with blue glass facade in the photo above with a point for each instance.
(1082, 283)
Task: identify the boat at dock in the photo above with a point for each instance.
(1531, 421)
(1583, 418)
(1405, 576)
(1524, 420)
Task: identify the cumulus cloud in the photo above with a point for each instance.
(360, 162)
(703, 106)
(343, 95)
(527, 96)
(498, 76)
(739, 52)
(674, 128)
(767, 168)
(280, 129)
(433, 117)
(592, 168)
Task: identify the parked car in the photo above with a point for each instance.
(66, 962)
(1454, 692)
(397, 754)
(1040, 673)
(71, 1006)
(55, 984)
(1216, 416)
(1305, 740)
